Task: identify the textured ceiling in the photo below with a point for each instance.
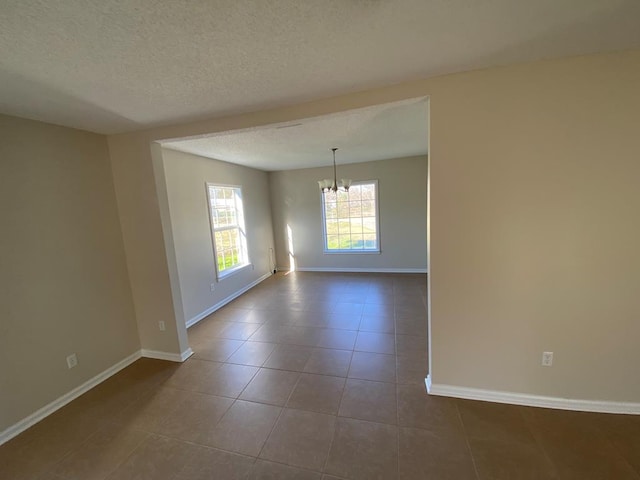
(392, 130)
(120, 65)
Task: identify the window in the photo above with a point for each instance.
(351, 219)
(227, 226)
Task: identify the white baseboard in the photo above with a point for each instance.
(60, 402)
(356, 270)
(172, 357)
(599, 406)
(222, 303)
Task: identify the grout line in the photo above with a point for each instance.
(283, 408)
(466, 439)
(397, 385)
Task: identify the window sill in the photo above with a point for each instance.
(354, 252)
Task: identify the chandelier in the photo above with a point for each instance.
(328, 185)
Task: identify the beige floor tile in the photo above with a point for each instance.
(238, 330)
(577, 446)
(252, 353)
(107, 399)
(281, 317)
(305, 336)
(317, 393)
(271, 386)
(37, 450)
(411, 369)
(101, 453)
(215, 349)
(264, 470)
(323, 307)
(358, 298)
(425, 455)
(414, 309)
(363, 450)
(494, 421)
(149, 412)
(148, 371)
(289, 357)
(510, 460)
(49, 476)
(376, 342)
(624, 433)
(195, 419)
(367, 400)
(337, 339)
(380, 309)
(418, 409)
(209, 463)
(348, 308)
(343, 322)
(325, 361)
(228, 381)
(300, 439)
(244, 427)
(311, 319)
(256, 316)
(210, 327)
(373, 366)
(414, 325)
(231, 314)
(270, 333)
(191, 373)
(410, 345)
(378, 324)
(157, 458)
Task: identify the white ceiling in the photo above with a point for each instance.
(391, 130)
(119, 65)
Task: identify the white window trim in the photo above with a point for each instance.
(377, 251)
(230, 271)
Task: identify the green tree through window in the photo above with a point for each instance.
(228, 229)
(351, 219)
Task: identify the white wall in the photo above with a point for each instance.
(185, 176)
(402, 200)
(63, 279)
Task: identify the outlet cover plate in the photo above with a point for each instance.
(72, 360)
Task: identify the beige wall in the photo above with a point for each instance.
(63, 279)
(139, 209)
(535, 236)
(533, 173)
(402, 195)
(185, 177)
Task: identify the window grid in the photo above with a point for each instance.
(350, 219)
(227, 223)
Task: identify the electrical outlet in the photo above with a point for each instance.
(547, 359)
(162, 326)
(213, 287)
(72, 360)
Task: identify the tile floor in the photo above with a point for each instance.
(312, 376)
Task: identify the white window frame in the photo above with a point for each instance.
(325, 238)
(240, 225)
